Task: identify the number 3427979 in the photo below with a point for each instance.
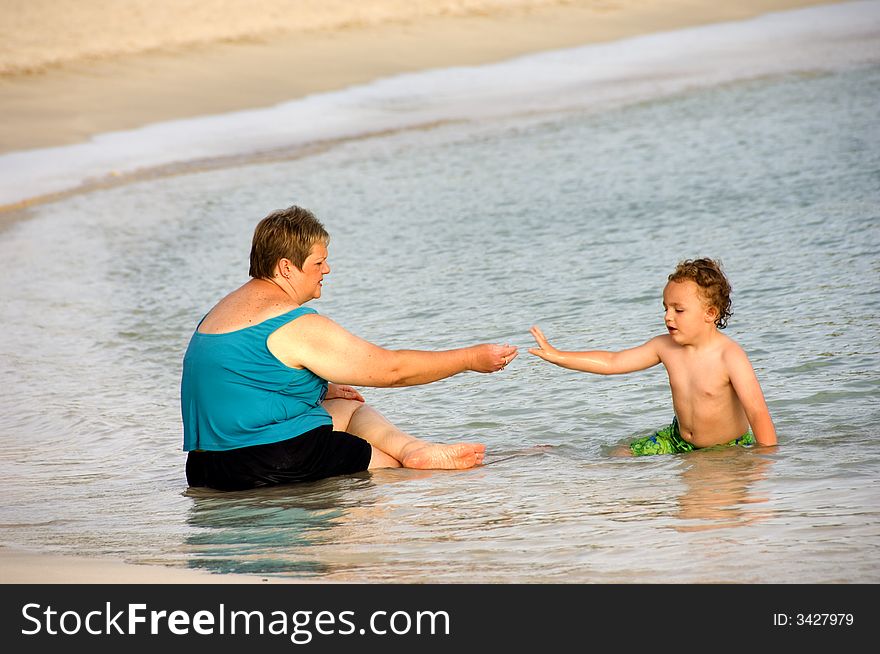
(814, 619)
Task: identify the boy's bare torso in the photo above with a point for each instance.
(706, 405)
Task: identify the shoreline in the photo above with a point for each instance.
(73, 102)
(22, 567)
(149, 134)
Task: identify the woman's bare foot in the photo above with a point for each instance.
(427, 456)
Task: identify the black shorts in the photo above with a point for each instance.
(317, 454)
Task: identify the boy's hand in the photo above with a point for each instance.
(544, 349)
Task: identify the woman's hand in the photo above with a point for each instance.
(491, 358)
(342, 391)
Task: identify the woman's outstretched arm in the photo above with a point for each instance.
(330, 351)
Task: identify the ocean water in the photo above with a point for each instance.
(459, 231)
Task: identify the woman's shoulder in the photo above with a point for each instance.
(246, 307)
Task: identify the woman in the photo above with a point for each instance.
(257, 406)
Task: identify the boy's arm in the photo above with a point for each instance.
(598, 361)
(748, 390)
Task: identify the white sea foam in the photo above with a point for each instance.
(822, 38)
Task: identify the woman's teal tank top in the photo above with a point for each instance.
(234, 392)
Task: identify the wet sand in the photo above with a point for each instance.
(19, 567)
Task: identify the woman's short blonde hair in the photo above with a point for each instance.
(285, 234)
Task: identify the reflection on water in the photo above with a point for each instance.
(270, 530)
(722, 489)
(286, 530)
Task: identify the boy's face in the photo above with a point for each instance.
(686, 313)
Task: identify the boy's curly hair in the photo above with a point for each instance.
(707, 274)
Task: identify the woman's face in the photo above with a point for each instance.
(313, 270)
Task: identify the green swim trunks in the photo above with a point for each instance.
(669, 441)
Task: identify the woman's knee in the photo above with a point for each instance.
(341, 411)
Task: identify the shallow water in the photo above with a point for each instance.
(465, 233)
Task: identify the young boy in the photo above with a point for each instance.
(715, 393)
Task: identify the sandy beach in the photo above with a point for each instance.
(118, 66)
(18, 567)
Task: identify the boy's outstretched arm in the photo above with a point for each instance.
(600, 362)
(748, 390)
